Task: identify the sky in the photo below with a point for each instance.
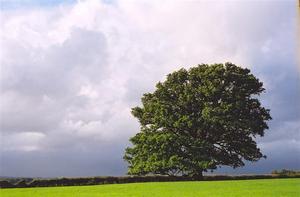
(72, 70)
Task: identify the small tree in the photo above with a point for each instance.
(197, 120)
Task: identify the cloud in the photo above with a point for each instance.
(71, 72)
(25, 141)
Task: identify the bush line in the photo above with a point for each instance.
(23, 183)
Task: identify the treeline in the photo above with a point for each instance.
(23, 183)
(286, 172)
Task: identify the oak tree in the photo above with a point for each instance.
(197, 120)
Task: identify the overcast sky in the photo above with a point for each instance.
(71, 72)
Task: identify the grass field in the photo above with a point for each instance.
(265, 187)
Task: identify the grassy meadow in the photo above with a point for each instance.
(262, 187)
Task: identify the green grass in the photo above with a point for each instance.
(266, 187)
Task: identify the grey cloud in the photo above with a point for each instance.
(54, 70)
(45, 85)
(69, 162)
(282, 155)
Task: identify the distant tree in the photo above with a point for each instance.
(197, 120)
(286, 172)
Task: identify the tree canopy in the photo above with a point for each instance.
(199, 119)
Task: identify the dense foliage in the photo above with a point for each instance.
(197, 120)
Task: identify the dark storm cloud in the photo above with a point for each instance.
(66, 162)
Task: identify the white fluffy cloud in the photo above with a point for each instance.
(70, 73)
